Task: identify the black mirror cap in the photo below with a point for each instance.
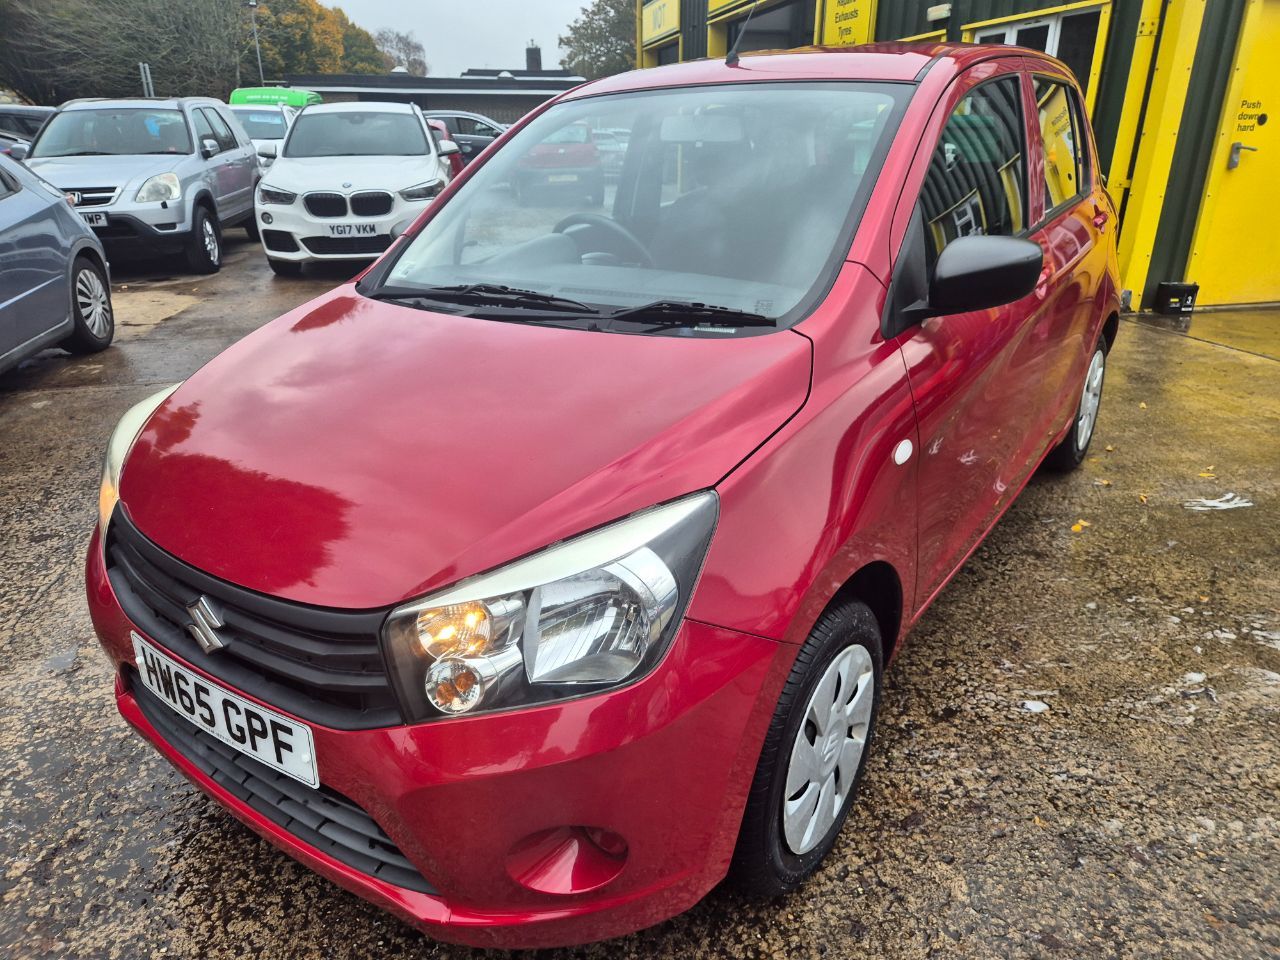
(980, 272)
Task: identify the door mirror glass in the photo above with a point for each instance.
(979, 272)
(208, 148)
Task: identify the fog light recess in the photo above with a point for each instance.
(567, 860)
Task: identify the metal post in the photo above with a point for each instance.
(253, 19)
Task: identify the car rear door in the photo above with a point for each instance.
(237, 165)
(34, 296)
(974, 376)
(1076, 213)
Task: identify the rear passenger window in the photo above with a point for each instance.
(1064, 167)
(977, 180)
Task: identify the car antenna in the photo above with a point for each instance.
(731, 58)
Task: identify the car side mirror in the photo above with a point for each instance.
(398, 229)
(448, 148)
(980, 272)
(208, 148)
(18, 151)
(267, 151)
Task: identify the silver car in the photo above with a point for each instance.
(152, 176)
(53, 272)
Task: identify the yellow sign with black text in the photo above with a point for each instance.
(846, 22)
(659, 19)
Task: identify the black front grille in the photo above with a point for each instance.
(374, 203)
(322, 818)
(279, 240)
(326, 204)
(319, 664)
(347, 246)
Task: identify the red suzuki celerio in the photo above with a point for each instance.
(546, 575)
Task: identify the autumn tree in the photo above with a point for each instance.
(360, 53)
(602, 41)
(404, 50)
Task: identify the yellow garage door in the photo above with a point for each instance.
(1236, 248)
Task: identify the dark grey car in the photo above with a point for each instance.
(54, 289)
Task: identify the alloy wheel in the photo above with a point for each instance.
(211, 246)
(828, 748)
(91, 298)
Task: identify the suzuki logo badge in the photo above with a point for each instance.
(204, 625)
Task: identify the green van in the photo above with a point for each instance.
(275, 96)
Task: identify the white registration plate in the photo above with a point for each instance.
(352, 230)
(282, 744)
(95, 219)
(563, 178)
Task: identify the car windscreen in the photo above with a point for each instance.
(121, 131)
(262, 123)
(356, 133)
(741, 196)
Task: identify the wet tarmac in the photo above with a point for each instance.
(1078, 752)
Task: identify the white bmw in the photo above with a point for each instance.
(345, 176)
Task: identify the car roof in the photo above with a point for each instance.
(159, 103)
(894, 62)
(378, 106)
(26, 108)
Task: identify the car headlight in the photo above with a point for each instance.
(163, 186)
(273, 195)
(422, 191)
(585, 615)
(118, 447)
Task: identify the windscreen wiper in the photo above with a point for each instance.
(680, 313)
(485, 294)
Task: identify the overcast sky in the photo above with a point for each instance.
(458, 34)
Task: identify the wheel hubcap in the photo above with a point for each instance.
(828, 749)
(1090, 399)
(95, 306)
(210, 241)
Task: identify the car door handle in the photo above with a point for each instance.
(1100, 218)
(1042, 285)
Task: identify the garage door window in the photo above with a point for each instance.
(1071, 37)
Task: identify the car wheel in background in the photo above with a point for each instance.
(285, 268)
(1070, 453)
(93, 322)
(251, 229)
(813, 754)
(204, 249)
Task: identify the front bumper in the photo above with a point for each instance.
(294, 234)
(665, 764)
(150, 231)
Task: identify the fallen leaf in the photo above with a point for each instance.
(1142, 405)
(1076, 528)
(1084, 523)
(1204, 599)
(1211, 476)
(1102, 483)
(1142, 498)
(1110, 448)
(1037, 821)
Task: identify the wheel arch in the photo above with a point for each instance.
(1110, 327)
(878, 585)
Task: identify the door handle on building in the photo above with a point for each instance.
(1233, 160)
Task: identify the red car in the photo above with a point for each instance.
(546, 576)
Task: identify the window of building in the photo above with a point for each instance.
(976, 183)
(1064, 163)
(1071, 37)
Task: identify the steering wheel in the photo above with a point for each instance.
(610, 226)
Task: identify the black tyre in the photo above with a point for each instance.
(814, 754)
(204, 248)
(1071, 451)
(285, 268)
(93, 321)
(251, 229)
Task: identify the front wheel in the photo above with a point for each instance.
(1070, 453)
(204, 248)
(813, 754)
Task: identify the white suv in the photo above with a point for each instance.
(346, 175)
